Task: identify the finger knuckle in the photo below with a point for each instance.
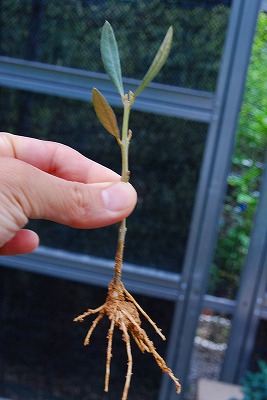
(81, 205)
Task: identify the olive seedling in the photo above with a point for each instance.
(120, 307)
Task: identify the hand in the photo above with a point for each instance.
(46, 180)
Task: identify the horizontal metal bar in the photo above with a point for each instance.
(77, 84)
(97, 271)
(219, 304)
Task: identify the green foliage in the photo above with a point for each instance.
(255, 383)
(245, 177)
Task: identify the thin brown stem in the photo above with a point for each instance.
(119, 253)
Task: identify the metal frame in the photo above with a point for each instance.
(97, 271)
(211, 191)
(76, 84)
(252, 287)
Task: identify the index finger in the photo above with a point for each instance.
(55, 159)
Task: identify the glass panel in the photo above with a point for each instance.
(245, 176)
(165, 159)
(67, 33)
(42, 354)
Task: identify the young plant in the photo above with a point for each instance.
(120, 307)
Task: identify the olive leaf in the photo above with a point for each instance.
(158, 61)
(110, 56)
(105, 113)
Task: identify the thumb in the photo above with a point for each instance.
(80, 205)
(27, 192)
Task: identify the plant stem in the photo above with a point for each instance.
(125, 140)
(125, 176)
(119, 253)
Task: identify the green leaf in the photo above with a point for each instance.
(105, 113)
(158, 62)
(110, 56)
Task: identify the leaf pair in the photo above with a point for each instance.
(111, 61)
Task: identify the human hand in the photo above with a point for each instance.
(47, 180)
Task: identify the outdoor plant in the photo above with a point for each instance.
(245, 177)
(120, 307)
(255, 383)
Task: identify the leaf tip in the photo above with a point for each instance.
(93, 91)
(106, 23)
(170, 30)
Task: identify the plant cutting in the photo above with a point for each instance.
(120, 307)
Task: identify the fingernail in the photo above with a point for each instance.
(117, 197)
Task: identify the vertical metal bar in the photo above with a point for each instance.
(250, 296)
(211, 191)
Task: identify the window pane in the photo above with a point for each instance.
(68, 33)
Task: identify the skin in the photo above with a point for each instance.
(47, 180)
